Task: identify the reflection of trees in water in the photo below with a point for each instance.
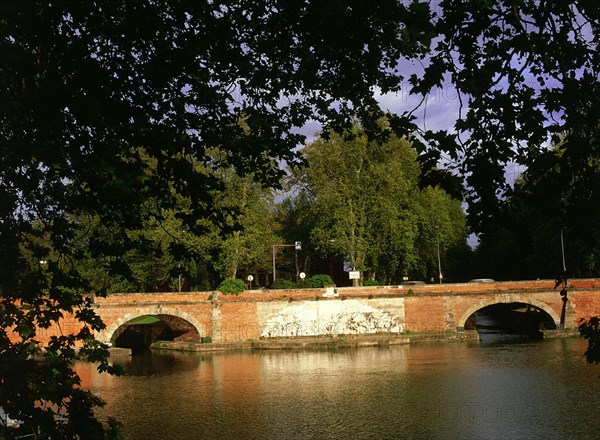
(421, 391)
(154, 362)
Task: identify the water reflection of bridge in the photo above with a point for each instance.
(192, 316)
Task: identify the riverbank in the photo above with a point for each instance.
(335, 341)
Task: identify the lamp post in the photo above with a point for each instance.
(563, 279)
(179, 278)
(297, 245)
(439, 261)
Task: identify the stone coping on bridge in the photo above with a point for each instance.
(321, 342)
(350, 292)
(146, 297)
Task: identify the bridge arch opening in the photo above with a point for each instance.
(501, 321)
(139, 332)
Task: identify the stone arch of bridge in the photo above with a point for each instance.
(161, 313)
(507, 300)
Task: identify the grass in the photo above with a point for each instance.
(146, 319)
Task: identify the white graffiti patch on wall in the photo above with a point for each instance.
(313, 318)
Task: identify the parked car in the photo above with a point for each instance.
(482, 280)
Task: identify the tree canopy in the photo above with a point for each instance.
(523, 72)
(92, 91)
(552, 209)
(362, 202)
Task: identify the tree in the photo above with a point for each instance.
(557, 196)
(442, 236)
(249, 230)
(165, 248)
(522, 72)
(356, 188)
(365, 205)
(160, 251)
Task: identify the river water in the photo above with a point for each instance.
(533, 390)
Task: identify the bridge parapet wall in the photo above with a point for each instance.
(263, 313)
(419, 308)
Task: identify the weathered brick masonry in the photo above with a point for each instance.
(365, 310)
(275, 313)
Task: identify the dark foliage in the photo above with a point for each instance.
(92, 92)
(590, 330)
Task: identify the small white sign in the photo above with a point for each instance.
(354, 275)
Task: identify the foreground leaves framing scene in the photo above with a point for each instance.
(115, 115)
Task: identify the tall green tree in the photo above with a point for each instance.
(165, 249)
(158, 253)
(366, 206)
(442, 236)
(245, 245)
(557, 196)
(357, 190)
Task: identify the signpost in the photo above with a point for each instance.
(354, 275)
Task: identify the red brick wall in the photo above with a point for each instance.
(239, 321)
(585, 304)
(424, 314)
(426, 308)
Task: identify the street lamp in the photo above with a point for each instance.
(179, 278)
(297, 245)
(439, 261)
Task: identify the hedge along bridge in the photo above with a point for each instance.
(193, 316)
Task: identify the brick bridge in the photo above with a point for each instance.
(365, 310)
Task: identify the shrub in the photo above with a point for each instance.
(319, 280)
(367, 283)
(232, 285)
(283, 284)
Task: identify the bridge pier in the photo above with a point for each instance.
(216, 328)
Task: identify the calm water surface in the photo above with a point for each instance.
(541, 390)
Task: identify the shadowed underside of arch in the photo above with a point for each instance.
(181, 325)
(508, 300)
